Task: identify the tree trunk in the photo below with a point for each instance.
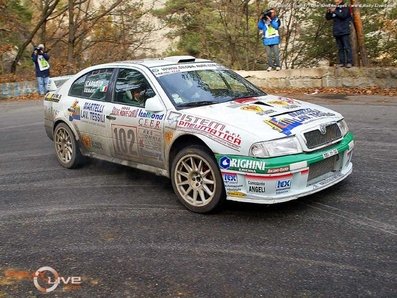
(71, 36)
(247, 35)
(360, 32)
(353, 40)
(31, 35)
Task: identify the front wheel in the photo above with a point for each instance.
(66, 147)
(196, 180)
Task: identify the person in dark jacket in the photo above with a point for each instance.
(268, 25)
(42, 67)
(341, 16)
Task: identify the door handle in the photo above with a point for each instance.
(110, 117)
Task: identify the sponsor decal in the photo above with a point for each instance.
(54, 97)
(237, 194)
(149, 143)
(164, 70)
(212, 129)
(283, 185)
(93, 112)
(257, 109)
(286, 122)
(245, 100)
(125, 141)
(242, 164)
(150, 120)
(278, 170)
(90, 113)
(286, 103)
(256, 189)
(125, 111)
(224, 162)
(149, 115)
(283, 125)
(74, 111)
(172, 119)
(230, 178)
(330, 153)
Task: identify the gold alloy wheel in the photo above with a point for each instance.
(64, 145)
(195, 180)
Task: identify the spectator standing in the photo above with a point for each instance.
(40, 58)
(268, 25)
(341, 16)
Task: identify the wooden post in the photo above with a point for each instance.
(359, 32)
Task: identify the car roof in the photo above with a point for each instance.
(156, 62)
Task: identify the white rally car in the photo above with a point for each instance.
(212, 132)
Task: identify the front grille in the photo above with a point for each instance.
(316, 139)
(323, 167)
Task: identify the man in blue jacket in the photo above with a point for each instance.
(269, 24)
(42, 67)
(341, 16)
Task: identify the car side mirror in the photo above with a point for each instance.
(154, 104)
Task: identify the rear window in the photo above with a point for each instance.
(93, 85)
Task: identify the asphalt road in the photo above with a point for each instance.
(124, 233)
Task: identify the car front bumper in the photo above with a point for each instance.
(281, 179)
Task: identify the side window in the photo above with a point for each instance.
(77, 87)
(132, 88)
(93, 85)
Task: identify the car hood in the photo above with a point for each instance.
(267, 117)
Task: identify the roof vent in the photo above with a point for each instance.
(180, 59)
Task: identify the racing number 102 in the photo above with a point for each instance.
(124, 141)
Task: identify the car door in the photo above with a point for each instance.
(137, 135)
(90, 104)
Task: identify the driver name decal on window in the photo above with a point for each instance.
(163, 70)
(92, 86)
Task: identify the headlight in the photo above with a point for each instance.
(274, 148)
(344, 129)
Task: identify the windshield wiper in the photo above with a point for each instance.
(197, 104)
(246, 96)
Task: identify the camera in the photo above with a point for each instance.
(267, 13)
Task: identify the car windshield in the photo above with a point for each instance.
(205, 87)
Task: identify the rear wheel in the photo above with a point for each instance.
(66, 147)
(196, 180)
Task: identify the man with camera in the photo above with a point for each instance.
(42, 67)
(268, 25)
(341, 16)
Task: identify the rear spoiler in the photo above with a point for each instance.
(56, 82)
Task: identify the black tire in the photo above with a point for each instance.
(66, 147)
(196, 179)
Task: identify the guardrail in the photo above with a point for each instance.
(16, 89)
